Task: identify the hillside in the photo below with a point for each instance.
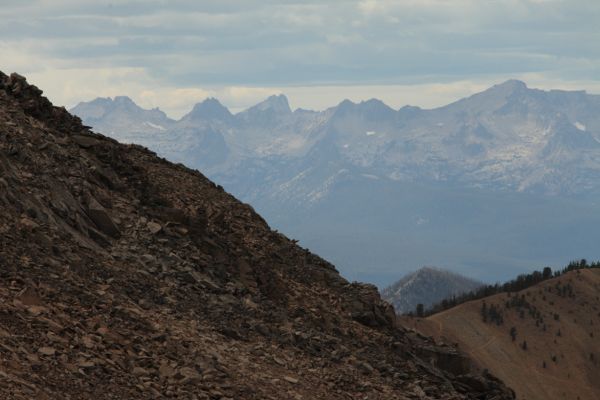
(426, 286)
(558, 320)
(126, 276)
(490, 184)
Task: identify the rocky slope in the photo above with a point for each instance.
(126, 276)
(426, 286)
(495, 183)
(556, 346)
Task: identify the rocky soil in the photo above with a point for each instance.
(123, 276)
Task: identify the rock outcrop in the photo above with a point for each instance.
(125, 276)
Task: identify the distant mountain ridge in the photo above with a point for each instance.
(508, 136)
(427, 286)
(121, 114)
(209, 110)
(507, 178)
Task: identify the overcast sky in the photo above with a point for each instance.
(172, 54)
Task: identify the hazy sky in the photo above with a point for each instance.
(172, 54)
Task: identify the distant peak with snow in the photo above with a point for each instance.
(427, 286)
(209, 109)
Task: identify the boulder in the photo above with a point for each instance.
(97, 213)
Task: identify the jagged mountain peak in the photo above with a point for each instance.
(504, 97)
(121, 113)
(375, 105)
(346, 103)
(511, 84)
(125, 103)
(505, 89)
(346, 106)
(124, 100)
(372, 109)
(267, 113)
(409, 111)
(209, 109)
(277, 103)
(374, 101)
(120, 103)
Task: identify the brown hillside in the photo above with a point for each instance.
(123, 276)
(568, 344)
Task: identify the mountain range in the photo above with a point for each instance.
(426, 286)
(490, 185)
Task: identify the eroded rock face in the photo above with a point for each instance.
(365, 306)
(125, 276)
(101, 219)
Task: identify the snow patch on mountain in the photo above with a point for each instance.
(322, 190)
(155, 126)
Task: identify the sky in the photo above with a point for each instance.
(172, 54)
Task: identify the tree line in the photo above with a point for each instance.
(523, 281)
